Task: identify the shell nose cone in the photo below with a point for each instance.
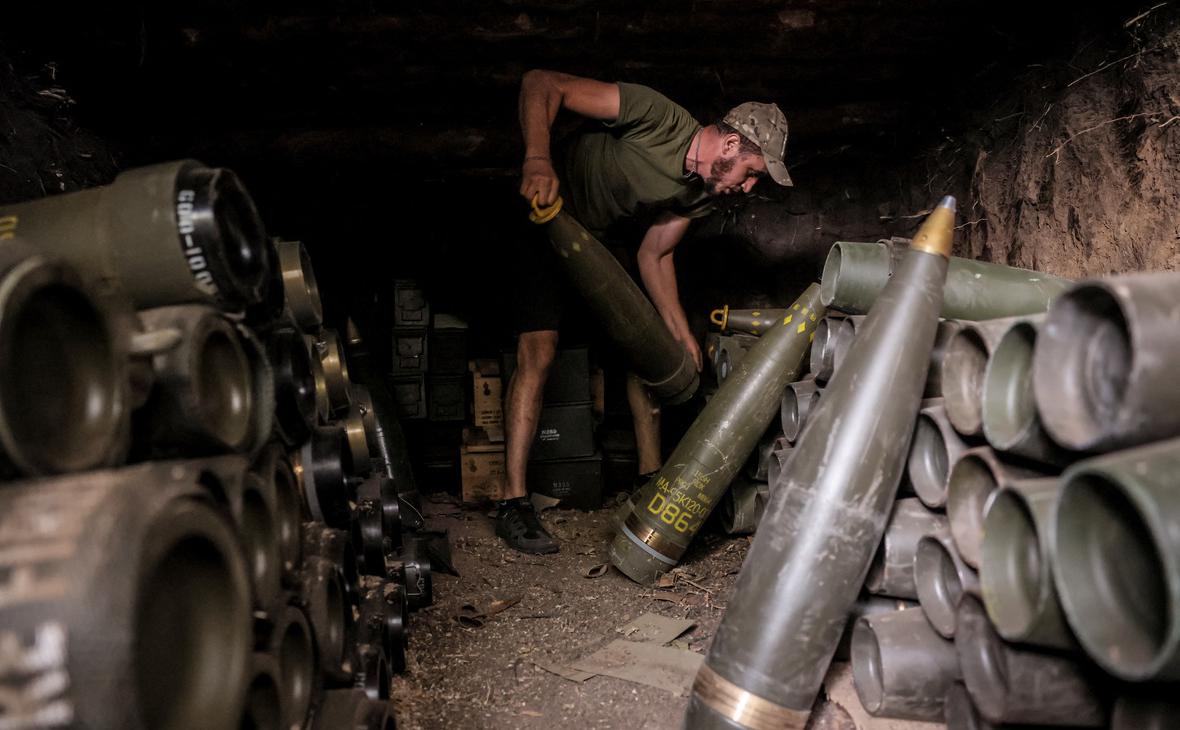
(948, 201)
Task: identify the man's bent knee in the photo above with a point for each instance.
(535, 351)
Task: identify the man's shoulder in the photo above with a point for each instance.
(638, 102)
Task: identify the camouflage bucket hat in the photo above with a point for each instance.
(766, 126)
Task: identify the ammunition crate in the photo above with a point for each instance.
(484, 467)
(409, 305)
(409, 395)
(409, 351)
(569, 377)
(576, 482)
(564, 432)
(448, 346)
(446, 397)
(487, 397)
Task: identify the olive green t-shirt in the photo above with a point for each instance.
(635, 163)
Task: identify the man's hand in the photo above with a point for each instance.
(537, 177)
(694, 350)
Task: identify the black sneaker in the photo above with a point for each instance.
(518, 524)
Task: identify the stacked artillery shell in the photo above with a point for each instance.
(798, 400)
(731, 350)
(742, 506)
(750, 321)
(1008, 684)
(1015, 576)
(758, 464)
(301, 292)
(901, 668)
(934, 449)
(628, 318)
(964, 366)
(974, 476)
(172, 233)
(947, 329)
(1100, 372)
(827, 332)
(844, 338)
(942, 581)
(866, 605)
(1114, 542)
(202, 401)
(856, 273)
(155, 611)
(892, 571)
(1008, 409)
(64, 388)
(828, 513)
(671, 508)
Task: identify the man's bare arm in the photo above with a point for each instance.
(542, 94)
(658, 271)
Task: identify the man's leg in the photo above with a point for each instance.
(516, 520)
(645, 413)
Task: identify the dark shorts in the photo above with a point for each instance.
(539, 294)
(542, 298)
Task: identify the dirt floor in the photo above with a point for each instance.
(462, 676)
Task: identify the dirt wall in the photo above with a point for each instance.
(1079, 172)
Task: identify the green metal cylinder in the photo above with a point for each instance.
(1015, 576)
(65, 396)
(749, 321)
(964, 365)
(974, 476)
(742, 506)
(828, 513)
(1100, 372)
(947, 329)
(731, 350)
(844, 338)
(1116, 559)
(1012, 685)
(1008, 409)
(203, 401)
(822, 347)
(671, 508)
(856, 273)
(625, 314)
(777, 464)
(892, 571)
(934, 449)
(866, 605)
(901, 668)
(942, 580)
(165, 234)
(798, 400)
(301, 293)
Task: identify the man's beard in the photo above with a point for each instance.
(717, 171)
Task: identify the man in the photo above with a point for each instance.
(648, 159)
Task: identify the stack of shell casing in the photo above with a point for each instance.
(1036, 525)
(201, 525)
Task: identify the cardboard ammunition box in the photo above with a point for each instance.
(576, 482)
(409, 305)
(409, 395)
(487, 397)
(564, 431)
(483, 467)
(448, 345)
(409, 351)
(569, 376)
(446, 397)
